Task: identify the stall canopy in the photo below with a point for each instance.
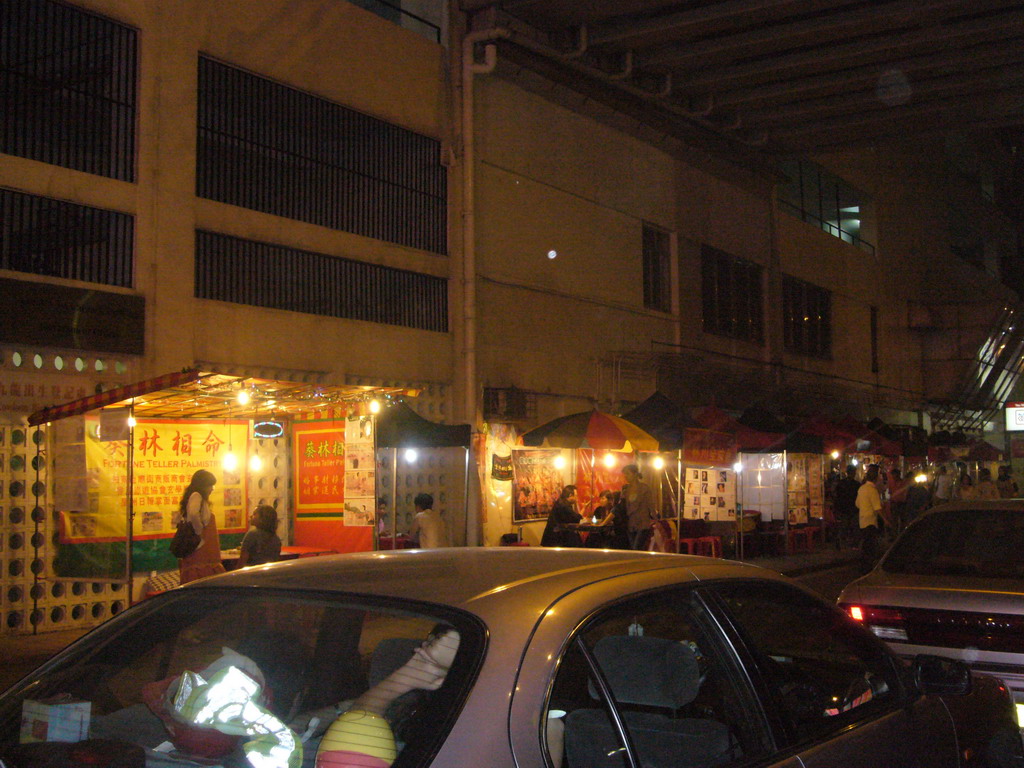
(750, 440)
(848, 435)
(202, 394)
(663, 419)
(401, 427)
(593, 430)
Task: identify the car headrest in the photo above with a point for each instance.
(649, 671)
(389, 655)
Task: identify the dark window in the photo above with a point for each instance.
(271, 148)
(57, 239)
(68, 95)
(659, 664)
(657, 269)
(731, 294)
(807, 318)
(824, 672)
(266, 275)
(823, 199)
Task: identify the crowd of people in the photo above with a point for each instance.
(877, 507)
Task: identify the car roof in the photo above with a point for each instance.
(1016, 505)
(461, 576)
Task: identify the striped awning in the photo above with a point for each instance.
(203, 394)
(112, 396)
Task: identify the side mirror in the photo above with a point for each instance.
(941, 676)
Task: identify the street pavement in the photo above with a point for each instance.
(20, 654)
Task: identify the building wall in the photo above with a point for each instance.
(372, 66)
(549, 179)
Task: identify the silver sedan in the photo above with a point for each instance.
(505, 658)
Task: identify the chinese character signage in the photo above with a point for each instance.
(167, 453)
(335, 483)
(704, 446)
(537, 483)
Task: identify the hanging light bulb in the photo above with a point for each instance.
(559, 462)
(375, 406)
(658, 462)
(609, 460)
(243, 397)
(411, 455)
(230, 461)
(737, 467)
(255, 463)
(131, 422)
(835, 454)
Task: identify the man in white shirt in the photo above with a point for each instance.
(428, 527)
(869, 506)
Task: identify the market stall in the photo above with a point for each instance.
(121, 459)
(587, 449)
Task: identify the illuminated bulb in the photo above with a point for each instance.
(922, 478)
(243, 398)
(552, 254)
(835, 454)
(609, 460)
(230, 461)
(559, 462)
(737, 467)
(255, 463)
(658, 463)
(854, 462)
(375, 406)
(411, 455)
(131, 422)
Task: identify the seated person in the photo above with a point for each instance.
(261, 543)
(560, 530)
(615, 523)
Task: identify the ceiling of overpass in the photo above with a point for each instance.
(779, 76)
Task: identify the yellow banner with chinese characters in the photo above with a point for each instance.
(166, 454)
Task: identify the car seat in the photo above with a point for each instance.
(645, 675)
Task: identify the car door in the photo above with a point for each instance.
(836, 695)
(645, 677)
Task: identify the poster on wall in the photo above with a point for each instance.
(166, 454)
(710, 494)
(536, 483)
(360, 477)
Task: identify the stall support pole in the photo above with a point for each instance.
(785, 503)
(394, 497)
(130, 514)
(35, 538)
(465, 497)
(679, 498)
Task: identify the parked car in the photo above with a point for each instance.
(953, 585)
(499, 657)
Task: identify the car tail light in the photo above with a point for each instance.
(886, 623)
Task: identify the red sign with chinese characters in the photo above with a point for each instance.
(319, 461)
(704, 446)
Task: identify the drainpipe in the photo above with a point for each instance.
(470, 68)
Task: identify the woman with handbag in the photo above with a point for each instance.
(195, 509)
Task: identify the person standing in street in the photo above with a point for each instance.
(195, 508)
(942, 490)
(1006, 484)
(846, 506)
(986, 489)
(898, 488)
(639, 506)
(869, 506)
(428, 527)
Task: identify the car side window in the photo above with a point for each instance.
(657, 669)
(822, 670)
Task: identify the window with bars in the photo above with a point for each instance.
(807, 318)
(825, 200)
(657, 251)
(275, 149)
(266, 275)
(58, 239)
(69, 88)
(731, 293)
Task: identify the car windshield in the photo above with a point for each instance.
(246, 679)
(963, 542)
